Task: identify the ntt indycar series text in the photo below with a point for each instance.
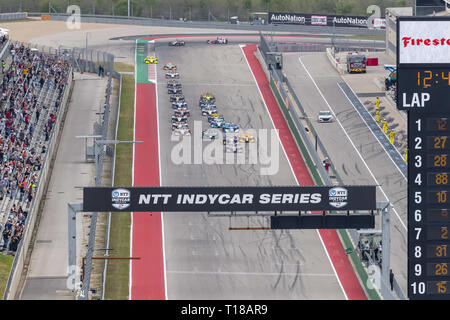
(201, 199)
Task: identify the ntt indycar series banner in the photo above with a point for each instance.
(323, 20)
(189, 199)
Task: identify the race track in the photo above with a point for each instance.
(203, 259)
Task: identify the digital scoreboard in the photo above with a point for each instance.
(423, 89)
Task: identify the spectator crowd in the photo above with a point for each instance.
(27, 117)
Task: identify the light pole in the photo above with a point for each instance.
(99, 145)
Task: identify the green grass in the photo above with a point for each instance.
(367, 37)
(116, 287)
(123, 67)
(5, 268)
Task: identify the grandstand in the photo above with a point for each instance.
(31, 88)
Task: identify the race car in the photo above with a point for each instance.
(175, 90)
(182, 113)
(229, 127)
(179, 119)
(210, 134)
(214, 116)
(217, 122)
(245, 137)
(207, 104)
(208, 110)
(150, 59)
(184, 131)
(176, 98)
(230, 139)
(179, 125)
(172, 75)
(169, 66)
(207, 97)
(173, 84)
(218, 40)
(234, 147)
(176, 43)
(179, 104)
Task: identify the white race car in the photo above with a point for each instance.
(218, 40)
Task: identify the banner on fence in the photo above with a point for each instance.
(324, 20)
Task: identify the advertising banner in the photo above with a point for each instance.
(324, 20)
(221, 199)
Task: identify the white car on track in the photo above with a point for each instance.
(325, 116)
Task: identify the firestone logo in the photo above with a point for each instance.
(409, 41)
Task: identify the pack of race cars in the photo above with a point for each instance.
(233, 139)
(181, 111)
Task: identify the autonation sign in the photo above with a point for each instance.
(323, 20)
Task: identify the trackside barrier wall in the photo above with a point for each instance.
(334, 63)
(15, 276)
(13, 16)
(5, 52)
(314, 163)
(88, 18)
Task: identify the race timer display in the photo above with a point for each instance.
(423, 89)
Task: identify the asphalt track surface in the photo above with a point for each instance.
(356, 154)
(203, 259)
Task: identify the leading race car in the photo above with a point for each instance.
(218, 40)
(175, 90)
(176, 43)
(150, 59)
(169, 66)
(172, 75)
(207, 98)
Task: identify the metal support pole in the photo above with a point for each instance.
(386, 247)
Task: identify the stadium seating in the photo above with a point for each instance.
(31, 90)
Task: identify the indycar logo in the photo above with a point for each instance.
(120, 198)
(338, 197)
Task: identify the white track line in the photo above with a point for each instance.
(351, 142)
(130, 280)
(271, 274)
(292, 170)
(160, 179)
